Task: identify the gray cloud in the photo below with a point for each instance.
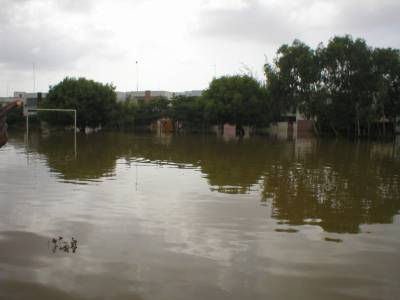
(375, 20)
(23, 45)
(16, 7)
(254, 21)
(102, 39)
(27, 36)
(274, 22)
(76, 6)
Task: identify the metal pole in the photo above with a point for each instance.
(34, 78)
(75, 120)
(137, 77)
(27, 125)
(75, 133)
(53, 109)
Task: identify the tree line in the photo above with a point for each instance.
(344, 88)
(239, 100)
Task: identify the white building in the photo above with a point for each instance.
(193, 93)
(148, 95)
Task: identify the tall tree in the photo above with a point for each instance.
(349, 82)
(299, 70)
(189, 112)
(93, 101)
(345, 86)
(386, 64)
(149, 111)
(239, 100)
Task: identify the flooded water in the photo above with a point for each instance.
(125, 216)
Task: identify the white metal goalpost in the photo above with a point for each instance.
(51, 109)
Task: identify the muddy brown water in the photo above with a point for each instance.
(197, 217)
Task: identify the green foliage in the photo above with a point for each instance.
(298, 69)
(387, 71)
(124, 115)
(238, 100)
(15, 116)
(189, 112)
(149, 111)
(344, 87)
(138, 113)
(348, 78)
(93, 101)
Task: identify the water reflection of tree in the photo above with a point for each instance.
(96, 155)
(336, 185)
(231, 167)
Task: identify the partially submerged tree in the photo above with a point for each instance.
(239, 100)
(386, 64)
(189, 112)
(293, 80)
(344, 87)
(93, 101)
(152, 110)
(348, 79)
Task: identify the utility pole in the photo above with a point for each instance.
(34, 77)
(215, 71)
(137, 77)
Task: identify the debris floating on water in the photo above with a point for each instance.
(288, 230)
(60, 244)
(333, 240)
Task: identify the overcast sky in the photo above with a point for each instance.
(179, 44)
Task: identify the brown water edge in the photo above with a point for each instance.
(196, 217)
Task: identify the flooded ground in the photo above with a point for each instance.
(196, 217)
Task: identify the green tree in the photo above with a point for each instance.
(387, 93)
(281, 104)
(239, 100)
(347, 77)
(293, 80)
(298, 69)
(124, 115)
(189, 112)
(93, 101)
(346, 86)
(149, 111)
